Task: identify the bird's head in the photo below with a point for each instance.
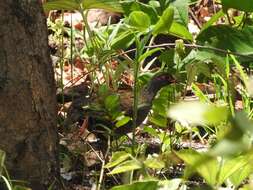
(156, 83)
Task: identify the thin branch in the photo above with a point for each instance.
(194, 18)
(193, 46)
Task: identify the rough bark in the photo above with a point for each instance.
(27, 95)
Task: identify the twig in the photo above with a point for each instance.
(193, 46)
(194, 18)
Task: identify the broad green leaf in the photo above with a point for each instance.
(242, 122)
(117, 158)
(140, 185)
(227, 147)
(150, 130)
(139, 20)
(122, 120)
(109, 5)
(165, 22)
(112, 102)
(123, 40)
(246, 187)
(154, 3)
(180, 11)
(216, 114)
(154, 163)
(103, 90)
(228, 38)
(158, 120)
(202, 163)
(237, 139)
(196, 113)
(126, 166)
(241, 174)
(242, 5)
(174, 184)
(167, 57)
(130, 6)
(192, 72)
(61, 5)
(232, 166)
(160, 106)
(180, 30)
(205, 57)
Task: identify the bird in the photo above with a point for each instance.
(148, 93)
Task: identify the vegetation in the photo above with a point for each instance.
(195, 88)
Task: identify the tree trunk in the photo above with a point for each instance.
(27, 95)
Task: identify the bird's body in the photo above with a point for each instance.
(98, 120)
(147, 95)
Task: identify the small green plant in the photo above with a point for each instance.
(5, 180)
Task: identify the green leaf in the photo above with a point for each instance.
(165, 22)
(154, 163)
(148, 53)
(112, 102)
(126, 166)
(228, 38)
(216, 114)
(158, 120)
(192, 72)
(181, 31)
(150, 130)
(227, 147)
(242, 123)
(242, 5)
(160, 106)
(205, 58)
(140, 185)
(174, 184)
(202, 163)
(139, 20)
(232, 166)
(180, 11)
(246, 187)
(167, 57)
(130, 6)
(109, 5)
(241, 174)
(122, 120)
(123, 40)
(196, 113)
(61, 5)
(117, 158)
